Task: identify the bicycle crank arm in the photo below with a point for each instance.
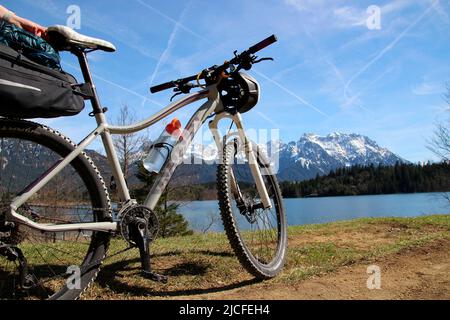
(139, 234)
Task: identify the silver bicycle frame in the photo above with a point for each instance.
(105, 131)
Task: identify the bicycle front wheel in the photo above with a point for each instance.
(42, 265)
(257, 235)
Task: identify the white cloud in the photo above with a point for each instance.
(347, 17)
(396, 5)
(341, 15)
(428, 88)
(329, 15)
(305, 5)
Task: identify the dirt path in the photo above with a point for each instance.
(326, 261)
(418, 273)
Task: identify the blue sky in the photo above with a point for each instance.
(331, 72)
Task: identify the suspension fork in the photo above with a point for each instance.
(249, 153)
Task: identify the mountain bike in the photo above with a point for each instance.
(56, 217)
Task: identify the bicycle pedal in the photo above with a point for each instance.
(155, 276)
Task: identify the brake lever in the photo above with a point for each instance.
(176, 94)
(182, 88)
(263, 59)
(247, 61)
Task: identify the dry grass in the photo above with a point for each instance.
(200, 265)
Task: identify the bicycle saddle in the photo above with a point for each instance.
(64, 38)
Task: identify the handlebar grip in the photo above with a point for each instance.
(263, 44)
(162, 87)
(173, 84)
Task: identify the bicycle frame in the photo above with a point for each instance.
(105, 131)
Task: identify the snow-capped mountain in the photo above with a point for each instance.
(310, 155)
(313, 154)
(300, 160)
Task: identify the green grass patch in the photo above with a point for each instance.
(205, 263)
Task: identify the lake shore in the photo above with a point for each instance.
(304, 211)
(325, 261)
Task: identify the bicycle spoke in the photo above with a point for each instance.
(61, 251)
(261, 234)
(65, 199)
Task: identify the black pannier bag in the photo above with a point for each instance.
(30, 90)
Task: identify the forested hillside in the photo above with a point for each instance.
(364, 180)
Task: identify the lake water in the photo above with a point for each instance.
(320, 210)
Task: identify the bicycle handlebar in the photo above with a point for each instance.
(263, 44)
(170, 84)
(244, 56)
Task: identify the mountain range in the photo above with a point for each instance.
(304, 159)
(299, 160)
(313, 154)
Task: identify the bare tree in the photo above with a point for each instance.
(211, 220)
(447, 96)
(127, 145)
(440, 143)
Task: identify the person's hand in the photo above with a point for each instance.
(30, 26)
(34, 28)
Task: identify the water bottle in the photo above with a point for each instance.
(163, 146)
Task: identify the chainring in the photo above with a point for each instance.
(139, 212)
